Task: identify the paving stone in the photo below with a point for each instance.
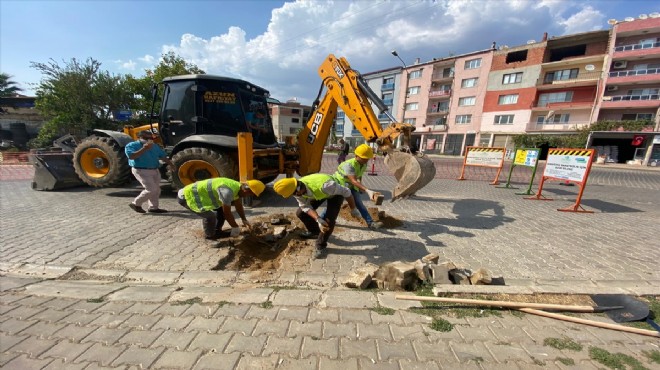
(295, 364)
(80, 318)
(204, 310)
(324, 315)
(72, 289)
(109, 320)
(140, 338)
(60, 364)
(73, 332)
(413, 332)
(349, 299)
(437, 351)
(235, 325)
(141, 322)
(32, 346)
(168, 309)
(106, 336)
(8, 341)
(24, 313)
(378, 365)
(392, 350)
(250, 362)
(335, 330)
(213, 342)
(177, 359)
(395, 318)
(507, 352)
(414, 365)
(305, 329)
(43, 329)
(142, 308)
(285, 347)
(35, 301)
(23, 362)
(114, 308)
(278, 328)
(257, 312)
(13, 326)
(136, 356)
(85, 306)
(59, 304)
(353, 315)
(172, 323)
(358, 348)
(66, 350)
(318, 347)
(104, 355)
(241, 343)
(471, 352)
(232, 310)
(50, 315)
(331, 364)
(204, 324)
(297, 297)
(218, 361)
(174, 339)
(299, 314)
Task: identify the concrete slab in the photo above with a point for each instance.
(72, 289)
(142, 294)
(207, 278)
(40, 271)
(12, 282)
(152, 277)
(223, 294)
(387, 299)
(296, 297)
(348, 299)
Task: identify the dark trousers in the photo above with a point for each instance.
(212, 220)
(331, 213)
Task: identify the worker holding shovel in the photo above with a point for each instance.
(311, 192)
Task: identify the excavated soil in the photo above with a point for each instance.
(389, 222)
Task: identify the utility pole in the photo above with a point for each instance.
(405, 91)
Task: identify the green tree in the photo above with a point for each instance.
(7, 86)
(76, 97)
(169, 65)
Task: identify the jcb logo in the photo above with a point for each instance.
(315, 128)
(338, 70)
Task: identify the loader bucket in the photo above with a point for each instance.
(53, 170)
(412, 172)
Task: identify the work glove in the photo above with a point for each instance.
(323, 224)
(247, 225)
(235, 231)
(355, 213)
(370, 194)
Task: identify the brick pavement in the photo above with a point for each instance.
(136, 270)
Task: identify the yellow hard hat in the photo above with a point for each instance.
(285, 187)
(364, 151)
(256, 186)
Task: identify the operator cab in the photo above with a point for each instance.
(214, 105)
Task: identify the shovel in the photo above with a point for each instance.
(631, 309)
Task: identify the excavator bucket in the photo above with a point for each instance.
(53, 170)
(412, 172)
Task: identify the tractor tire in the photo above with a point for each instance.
(194, 164)
(101, 162)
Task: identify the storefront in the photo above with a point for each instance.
(631, 147)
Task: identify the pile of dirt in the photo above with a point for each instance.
(389, 222)
(263, 249)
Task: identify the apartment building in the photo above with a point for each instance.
(288, 118)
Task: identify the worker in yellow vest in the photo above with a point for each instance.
(311, 192)
(349, 173)
(212, 200)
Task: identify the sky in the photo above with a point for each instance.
(279, 45)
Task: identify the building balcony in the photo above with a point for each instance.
(563, 127)
(382, 117)
(582, 79)
(439, 76)
(636, 50)
(388, 102)
(437, 111)
(387, 87)
(631, 76)
(631, 101)
(439, 93)
(571, 105)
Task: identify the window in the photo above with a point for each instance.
(563, 75)
(516, 56)
(507, 99)
(469, 82)
(387, 96)
(643, 91)
(637, 117)
(463, 119)
(468, 100)
(473, 63)
(554, 118)
(560, 97)
(506, 119)
(410, 121)
(448, 72)
(413, 90)
(412, 106)
(388, 80)
(439, 107)
(512, 78)
(295, 111)
(415, 74)
(295, 120)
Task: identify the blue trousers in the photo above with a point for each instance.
(360, 206)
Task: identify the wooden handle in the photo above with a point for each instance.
(650, 333)
(481, 302)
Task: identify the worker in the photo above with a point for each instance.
(212, 199)
(311, 191)
(349, 173)
(144, 157)
(344, 148)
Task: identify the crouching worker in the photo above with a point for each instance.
(311, 191)
(212, 199)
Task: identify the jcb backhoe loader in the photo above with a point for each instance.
(215, 126)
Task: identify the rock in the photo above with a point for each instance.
(431, 258)
(481, 277)
(397, 276)
(460, 276)
(449, 265)
(359, 280)
(279, 232)
(422, 270)
(439, 274)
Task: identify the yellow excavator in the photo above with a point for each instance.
(214, 126)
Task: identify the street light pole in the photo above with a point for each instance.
(405, 91)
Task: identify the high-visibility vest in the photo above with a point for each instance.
(340, 175)
(203, 195)
(315, 183)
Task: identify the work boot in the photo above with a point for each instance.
(319, 253)
(157, 210)
(309, 235)
(136, 208)
(376, 225)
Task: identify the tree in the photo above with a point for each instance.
(169, 65)
(7, 86)
(77, 97)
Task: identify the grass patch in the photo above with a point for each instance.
(615, 360)
(267, 304)
(95, 300)
(653, 355)
(654, 312)
(277, 288)
(563, 343)
(566, 361)
(187, 301)
(383, 310)
(440, 324)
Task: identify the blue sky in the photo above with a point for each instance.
(280, 44)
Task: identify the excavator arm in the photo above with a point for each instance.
(347, 90)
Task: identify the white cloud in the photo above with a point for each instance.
(284, 59)
(126, 65)
(148, 59)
